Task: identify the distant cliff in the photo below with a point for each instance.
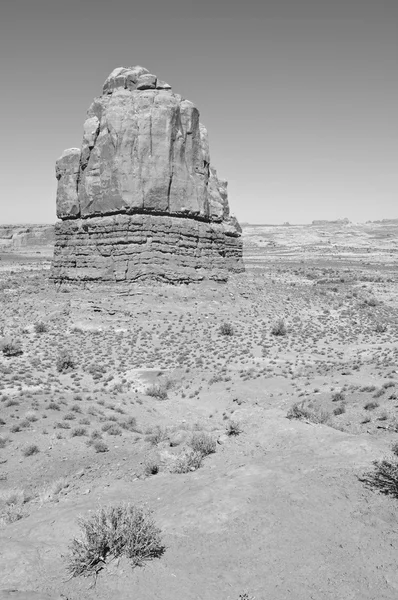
(15, 237)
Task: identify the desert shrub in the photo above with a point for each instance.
(381, 328)
(100, 446)
(151, 466)
(53, 406)
(189, 460)
(314, 415)
(203, 443)
(78, 431)
(338, 397)
(62, 425)
(368, 388)
(371, 302)
(159, 434)
(65, 362)
(114, 531)
(11, 348)
(384, 477)
(31, 416)
(279, 328)
(3, 442)
(388, 384)
(339, 410)
(233, 428)
(12, 506)
(371, 405)
(11, 402)
(69, 416)
(30, 450)
(40, 327)
(378, 393)
(130, 424)
(50, 492)
(16, 428)
(114, 430)
(226, 329)
(159, 390)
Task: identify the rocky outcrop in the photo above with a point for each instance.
(140, 199)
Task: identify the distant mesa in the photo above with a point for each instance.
(344, 221)
(140, 198)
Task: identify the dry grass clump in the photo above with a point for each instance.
(113, 532)
(30, 450)
(279, 328)
(203, 443)
(40, 327)
(188, 460)
(158, 435)
(159, 390)
(11, 348)
(384, 477)
(233, 428)
(314, 415)
(12, 506)
(50, 492)
(151, 466)
(226, 329)
(100, 446)
(65, 362)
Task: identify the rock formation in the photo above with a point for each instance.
(140, 199)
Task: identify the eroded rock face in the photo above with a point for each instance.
(144, 152)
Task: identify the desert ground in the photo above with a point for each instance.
(246, 416)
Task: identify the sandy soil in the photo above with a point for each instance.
(278, 511)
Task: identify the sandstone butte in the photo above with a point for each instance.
(140, 199)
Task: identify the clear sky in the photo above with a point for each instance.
(300, 97)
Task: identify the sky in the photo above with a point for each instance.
(300, 97)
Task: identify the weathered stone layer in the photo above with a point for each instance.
(123, 248)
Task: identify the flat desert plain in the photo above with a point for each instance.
(257, 420)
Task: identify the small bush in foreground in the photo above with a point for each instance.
(226, 329)
(157, 436)
(384, 477)
(203, 443)
(113, 532)
(151, 467)
(299, 411)
(65, 362)
(11, 348)
(233, 428)
(339, 410)
(30, 450)
(371, 405)
(40, 327)
(189, 460)
(158, 390)
(78, 431)
(279, 328)
(100, 446)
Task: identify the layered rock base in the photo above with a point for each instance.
(124, 248)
